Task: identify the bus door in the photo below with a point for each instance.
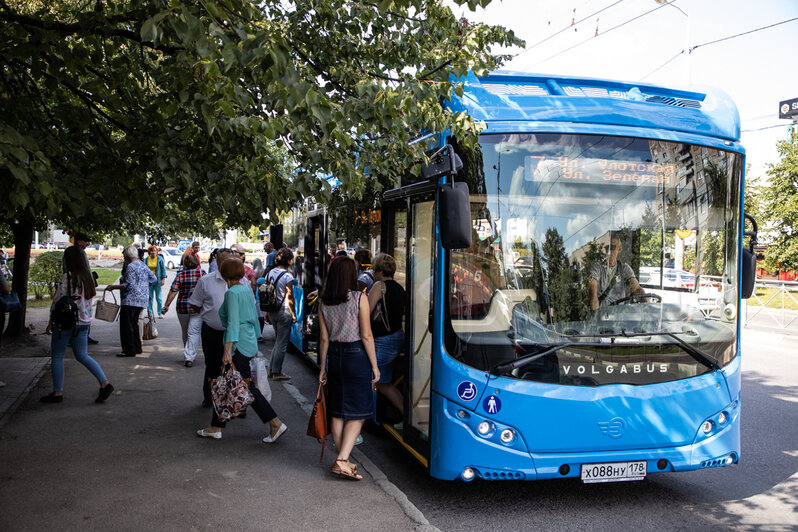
(408, 234)
(314, 273)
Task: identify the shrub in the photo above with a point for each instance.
(46, 272)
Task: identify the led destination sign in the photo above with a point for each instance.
(610, 171)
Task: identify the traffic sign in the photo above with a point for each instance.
(788, 108)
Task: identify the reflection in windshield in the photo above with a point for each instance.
(585, 235)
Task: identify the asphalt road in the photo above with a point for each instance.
(759, 493)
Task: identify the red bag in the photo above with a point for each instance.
(318, 425)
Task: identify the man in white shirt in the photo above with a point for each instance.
(207, 299)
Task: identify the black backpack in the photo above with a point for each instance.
(65, 312)
(267, 295)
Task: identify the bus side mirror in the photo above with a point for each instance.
(749, 274)
(749, 260)
(455, 215)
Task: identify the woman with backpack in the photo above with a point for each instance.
(347, 342)
(281, 315)
(387, 304)
(70, 317)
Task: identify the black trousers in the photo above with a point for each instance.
(129, 335)
(261, 406)
(213, 350)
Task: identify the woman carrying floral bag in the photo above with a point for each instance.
(242, 331)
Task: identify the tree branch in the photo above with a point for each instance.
(79, 29)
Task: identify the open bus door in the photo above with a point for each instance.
(408, 234)
(314, 273)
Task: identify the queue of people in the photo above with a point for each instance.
(359, 342)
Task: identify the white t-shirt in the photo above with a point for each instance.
(285, 278)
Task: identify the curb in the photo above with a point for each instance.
(24, 394)
(409, 509)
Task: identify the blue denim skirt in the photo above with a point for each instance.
(349, 388)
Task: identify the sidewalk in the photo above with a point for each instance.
(135, 462)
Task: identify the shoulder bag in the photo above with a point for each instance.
(9, 303)
(318, 426)
(106, 310)
(150, 329)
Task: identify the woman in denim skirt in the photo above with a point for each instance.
(347, 359)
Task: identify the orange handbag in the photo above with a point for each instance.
(318, 424)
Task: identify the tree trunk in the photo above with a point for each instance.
(23, 236)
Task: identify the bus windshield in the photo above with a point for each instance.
(582, 239)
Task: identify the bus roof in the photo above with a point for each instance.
(517, 96)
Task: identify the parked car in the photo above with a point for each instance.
(671, 277)
(171, 257)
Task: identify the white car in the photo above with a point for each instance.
(672, 278)
(171, 257)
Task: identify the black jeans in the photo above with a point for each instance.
(129, 335)
(213, 350)
(261, 406)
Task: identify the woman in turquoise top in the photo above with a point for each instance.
(238, 315)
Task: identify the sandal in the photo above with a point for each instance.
(342, 473)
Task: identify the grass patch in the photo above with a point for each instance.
(107, 276)
(766, 293)
(39, 303)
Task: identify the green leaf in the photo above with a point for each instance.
(20, 174)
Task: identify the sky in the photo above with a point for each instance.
(757, 70)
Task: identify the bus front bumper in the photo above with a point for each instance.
(460, 451)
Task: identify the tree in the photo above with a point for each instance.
(781, 215)
(189, 115)
(562, 279)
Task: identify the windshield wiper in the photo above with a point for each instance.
(699, 355)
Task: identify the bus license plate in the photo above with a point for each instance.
(613, 472)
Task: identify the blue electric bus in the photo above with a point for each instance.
(573, 283)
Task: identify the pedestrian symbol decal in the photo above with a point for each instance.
(492, 404)
(467, 390)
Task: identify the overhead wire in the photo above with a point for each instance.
(741, 34)
(574, 24)
(714, 42)
(766, 127)
(662, 65)
(602, 33)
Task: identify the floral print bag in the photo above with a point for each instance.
(230, 394)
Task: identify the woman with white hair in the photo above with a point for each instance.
(134, 284)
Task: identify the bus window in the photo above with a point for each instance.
(586, 236)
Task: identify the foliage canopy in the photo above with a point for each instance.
(189, 113)
(781, 215)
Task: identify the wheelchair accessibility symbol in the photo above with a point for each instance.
(467, 390)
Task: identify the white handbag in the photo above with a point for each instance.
(106, 310)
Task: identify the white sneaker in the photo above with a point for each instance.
(215, 435)
(280, 432)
